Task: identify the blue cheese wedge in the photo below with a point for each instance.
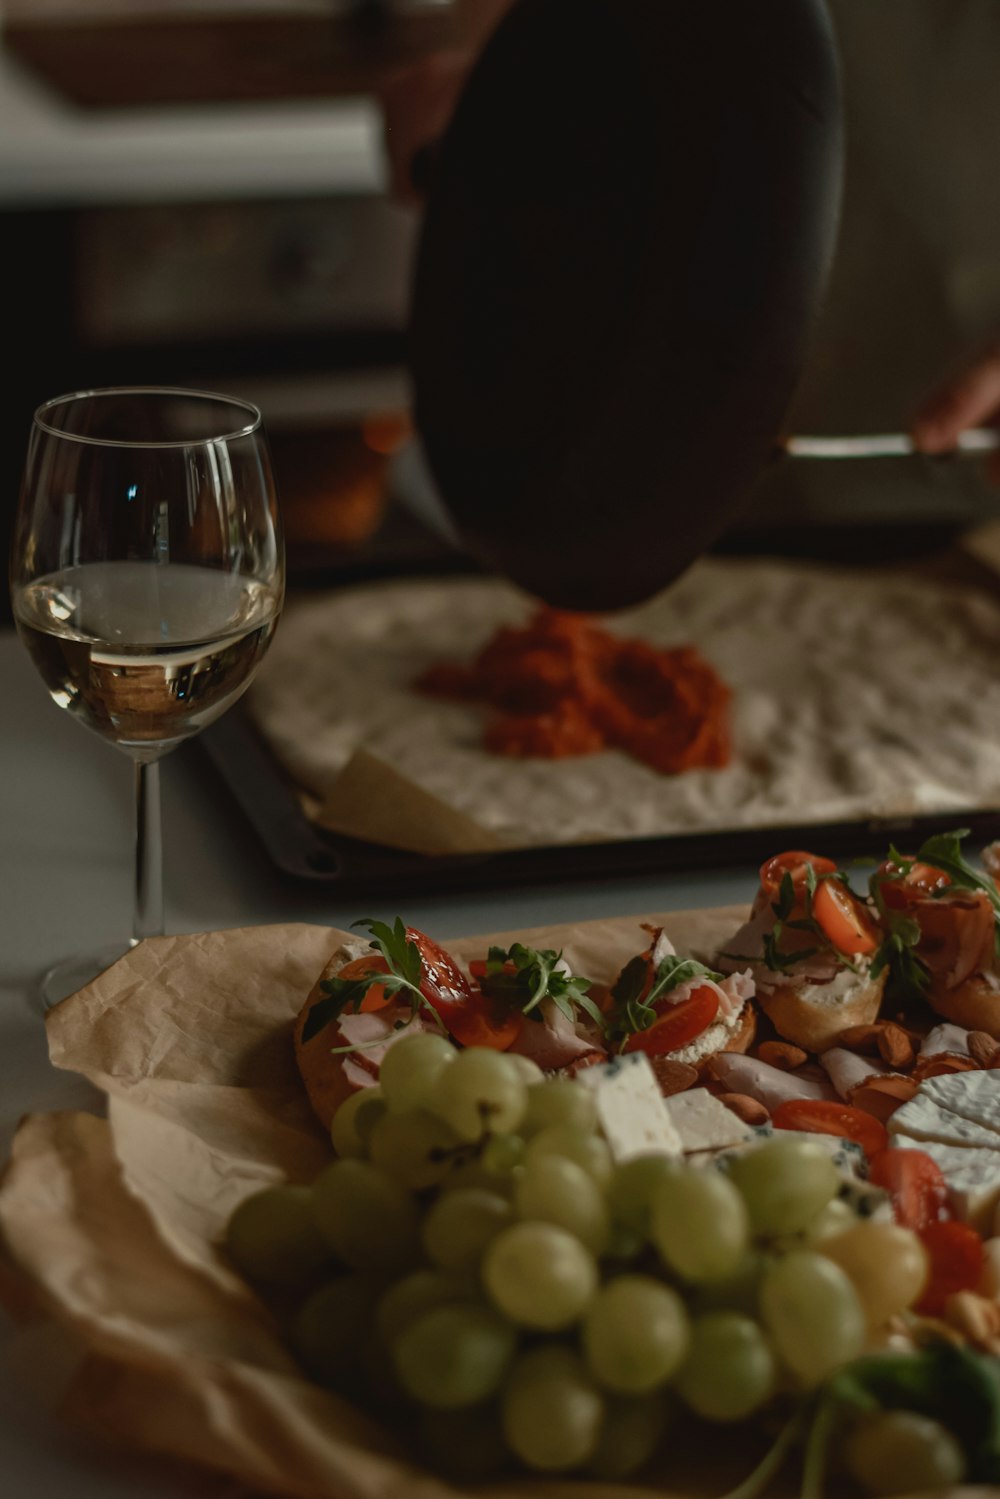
(955, 1118)
(632, 1111)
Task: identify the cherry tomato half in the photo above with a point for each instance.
(360, 968)
(900, 887)
(915, 1184)
(844, 919)
(795, 863)
(677, 1025)
(956, 1255)
(829, 1117)
(469, 1015)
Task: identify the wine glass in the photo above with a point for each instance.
(147, 576)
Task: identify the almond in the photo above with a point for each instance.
(982, 1047)
(750, 1110)
(782, 1054)
(863, 1039)
(896, 1048)
(673, 1077)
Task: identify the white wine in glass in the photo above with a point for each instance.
(147, 577)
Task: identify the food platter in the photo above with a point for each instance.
(118, 1220)
(864, 707)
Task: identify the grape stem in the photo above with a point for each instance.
(773, 1460)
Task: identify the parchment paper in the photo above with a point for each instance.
(111, 1226)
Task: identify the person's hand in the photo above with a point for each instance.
(417, 101)
(970, 398)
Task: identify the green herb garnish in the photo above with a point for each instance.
(634, 1010)
(521, 977)
(405, 967)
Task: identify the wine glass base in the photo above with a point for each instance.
(69, 975)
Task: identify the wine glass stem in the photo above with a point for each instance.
(148, 918)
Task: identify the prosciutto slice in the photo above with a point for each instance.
(553, 1042)
(374, 1032)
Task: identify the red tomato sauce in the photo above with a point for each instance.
(562, 686)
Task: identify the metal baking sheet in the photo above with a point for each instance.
(301, 849)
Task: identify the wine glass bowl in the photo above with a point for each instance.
(147, 573)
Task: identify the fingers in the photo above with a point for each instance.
(969, 400)
(417, 103)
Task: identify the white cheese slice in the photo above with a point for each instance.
(632, 1111)
(973, 1095)
(972, 1174)
(923, 1118)
(704, 1123)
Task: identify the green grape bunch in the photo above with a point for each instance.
(476, 1264)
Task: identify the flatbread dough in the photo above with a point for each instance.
(856, 694)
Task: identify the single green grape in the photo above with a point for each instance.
(786, 1183)
(529, 1072)
(410, 1297)
(632, 1430)
(903, 1452)
(587, 1150)
(347, 1140)
(481, 1092)
(539, 1275)
(273, 1237)
(560, 1100)
(730, 1370)
(554, 1189)
(367, 1216)
(699, 1224)
(414, 1146)
(501, 1153)
(412, 1068)
(635, 1334)
(331, 1329)
(632, 1188)
(812, 1314)
(454, 1356)
(887, 1265)
(552, 1412)
(459, 1226)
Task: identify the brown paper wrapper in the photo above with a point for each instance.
(111, 1226)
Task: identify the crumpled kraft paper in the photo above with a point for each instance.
(112, 1225)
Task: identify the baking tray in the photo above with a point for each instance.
(300, 848)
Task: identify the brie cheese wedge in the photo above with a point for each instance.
(955, 1119)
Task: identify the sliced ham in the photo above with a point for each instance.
(746, 946)
(946, 1040)
(768, 1085)
(374, 1031)
(553, 1042)
(848, 1071)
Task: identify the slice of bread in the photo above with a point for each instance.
(814, 1015)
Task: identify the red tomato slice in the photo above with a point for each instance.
(956, 1256)
(844, 919)
(915, 1184)
(828, 1117)
(899, 888)
(795, 863)
(360, 968)
(677, 1024)
(467, 1014)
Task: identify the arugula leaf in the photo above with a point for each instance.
(635, 1010)
(522, 977)
(405, 968)
(951, 1384)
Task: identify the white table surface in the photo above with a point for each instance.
(66, 886)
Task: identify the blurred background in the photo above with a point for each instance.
(198, 193)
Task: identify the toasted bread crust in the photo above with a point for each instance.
(800, 1013)
(974, 1004)
(742, 1038)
